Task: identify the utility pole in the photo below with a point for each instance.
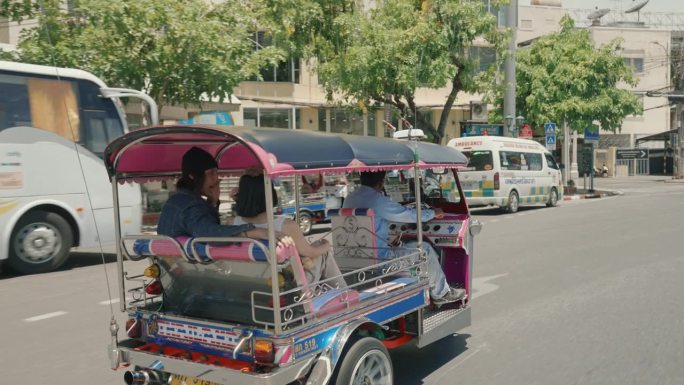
(509, 68)
(679, 146)
(566, 153)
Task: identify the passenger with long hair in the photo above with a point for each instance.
(250, 208)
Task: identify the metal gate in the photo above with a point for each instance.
(631, 167)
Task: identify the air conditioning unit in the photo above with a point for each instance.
(478, 111)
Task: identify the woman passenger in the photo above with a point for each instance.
(250, 208)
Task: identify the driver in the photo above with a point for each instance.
(370, 195)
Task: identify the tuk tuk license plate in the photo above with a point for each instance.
(183, 380)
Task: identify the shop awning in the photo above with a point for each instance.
(664, 136)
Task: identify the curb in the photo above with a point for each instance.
(590, 196)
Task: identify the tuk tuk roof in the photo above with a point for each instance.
(156, 152)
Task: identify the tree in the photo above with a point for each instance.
(382, 54)
(562, 77)
(18, 10)
(177, 51)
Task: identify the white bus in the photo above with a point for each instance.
(54, 189)
(508, 172)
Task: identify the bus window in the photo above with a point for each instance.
(54, 107)
(99, 128)
(15, 109)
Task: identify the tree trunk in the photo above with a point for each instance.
(456, 86)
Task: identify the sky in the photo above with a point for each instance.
(653, 5)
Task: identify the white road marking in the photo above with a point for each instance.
(496, 220)
(112, 301)
(45, 316)
(482, 286)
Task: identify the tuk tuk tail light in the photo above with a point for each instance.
(264, 351)
(496, 181)
(152, 271)
(134, 328)
(153, 288)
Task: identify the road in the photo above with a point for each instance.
(586, 293)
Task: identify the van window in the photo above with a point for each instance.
(512, 160)
(534, 161)
(551, 162)
(479, 160)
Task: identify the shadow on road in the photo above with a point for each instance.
(493, 211)
(76, 260)
(412, 365)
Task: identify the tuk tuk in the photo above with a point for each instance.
(242, 311)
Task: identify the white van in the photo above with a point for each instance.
(508, 172)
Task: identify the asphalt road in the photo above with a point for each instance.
(590, 292)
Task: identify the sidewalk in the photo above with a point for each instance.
(611, 186)
(582, 194)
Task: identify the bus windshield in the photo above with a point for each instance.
(479, 160)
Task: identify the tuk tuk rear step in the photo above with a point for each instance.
(438, 324)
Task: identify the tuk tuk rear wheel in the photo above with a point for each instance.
(305, 222)
(367, 362)
(40, 243)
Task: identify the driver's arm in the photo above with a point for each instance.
(394, 212)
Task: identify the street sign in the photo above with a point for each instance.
(591, 134)
(550, 128)
(631, 153)
(550, 142)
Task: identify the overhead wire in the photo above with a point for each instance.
(80, 163)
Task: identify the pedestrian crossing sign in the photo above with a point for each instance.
(550, 128)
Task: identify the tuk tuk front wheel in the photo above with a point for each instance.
(367, 362)
(40, 243)
(305, 222)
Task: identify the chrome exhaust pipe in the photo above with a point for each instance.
(142, 377)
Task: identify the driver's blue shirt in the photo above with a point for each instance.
(386, 210)
(188, 214)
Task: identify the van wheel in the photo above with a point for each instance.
(40, 242)
(553, 198)
(305, 223)
(366, 362)
(513, 202)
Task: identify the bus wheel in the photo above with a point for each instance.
(367, 362)
(40, 243)
(553, 198)
(513, 202)
(305, 222)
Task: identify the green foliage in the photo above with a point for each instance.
(177, 51)
(18, 10)
(380, 55)
(563, 77)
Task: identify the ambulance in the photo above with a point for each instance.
(508, 172)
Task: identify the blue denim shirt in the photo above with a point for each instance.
(385, 210)
(186, 213)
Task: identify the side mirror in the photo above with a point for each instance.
(475, 227)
